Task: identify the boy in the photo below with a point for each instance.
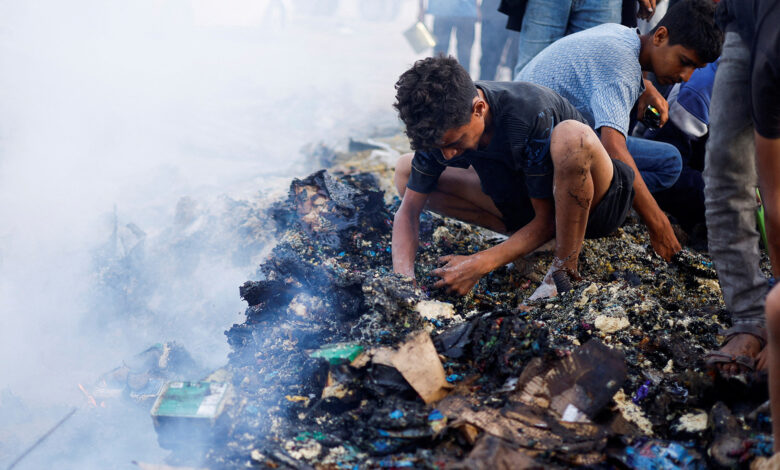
(512, 157)
(599, 71)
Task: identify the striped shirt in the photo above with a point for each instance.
(597, 70)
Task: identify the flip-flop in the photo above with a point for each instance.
(713, 358)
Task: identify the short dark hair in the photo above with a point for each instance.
(691, 23)
(432, 97)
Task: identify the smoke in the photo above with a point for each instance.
(136, 140)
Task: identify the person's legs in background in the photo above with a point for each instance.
(442, 28)
(545, 21)
(494, 37)
(659, 163)
(589, 13)
(730, 201)
(464, 33)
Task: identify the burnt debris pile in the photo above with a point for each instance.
(343, 364)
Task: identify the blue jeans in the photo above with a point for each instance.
(464, 33)
(494, 38)
(730, 181)
(546, 21)
(659, 163)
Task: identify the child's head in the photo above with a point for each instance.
(686, 38)
(434, 96)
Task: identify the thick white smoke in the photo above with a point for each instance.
(112, 112)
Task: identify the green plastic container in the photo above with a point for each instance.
(335, 353)
(189, 413)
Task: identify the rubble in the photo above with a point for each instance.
(342, 363)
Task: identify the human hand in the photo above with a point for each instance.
(651, 97)
(459, 273)
(646, 9)
(663, 240)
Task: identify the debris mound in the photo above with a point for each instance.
(342, 363)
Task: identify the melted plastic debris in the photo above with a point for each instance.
(329, 280)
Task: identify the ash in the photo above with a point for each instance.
(608, 375)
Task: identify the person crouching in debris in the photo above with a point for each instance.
(515, 158)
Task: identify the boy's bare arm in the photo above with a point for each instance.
(406, 231)
(768, 163)
(461, 273)
(661, 234)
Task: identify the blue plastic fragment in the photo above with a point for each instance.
(381, 446)
(435, 415)
(397, 414)
(641, 392)
(454, 378)
(762, 444)
(659, 456)
(383, 433)
(342, 253)
(395, 464)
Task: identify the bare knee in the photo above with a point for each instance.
(403, 170)
(572, 145)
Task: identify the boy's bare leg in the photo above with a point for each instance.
(773, 359)
(767, 153)
(582, 175)
(458, 194)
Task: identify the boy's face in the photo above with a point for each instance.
(672, 64)
(458, 140)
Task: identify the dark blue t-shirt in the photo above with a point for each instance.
(516, 164)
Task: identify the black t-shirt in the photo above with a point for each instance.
(516, 164)
(758, 23)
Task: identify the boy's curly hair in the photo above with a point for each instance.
(691, 23)
(432, 97)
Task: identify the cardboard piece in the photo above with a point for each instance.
(417, 361)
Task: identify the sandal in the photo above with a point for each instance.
(713, 358)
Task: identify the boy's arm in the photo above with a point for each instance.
(768, 163)
(661, 234)
(406, 231)
(461, 273)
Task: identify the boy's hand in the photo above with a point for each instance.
(459, 273)
(652, 97)
(663, 240)
(646, 9)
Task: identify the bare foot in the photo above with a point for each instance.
(740, 345)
